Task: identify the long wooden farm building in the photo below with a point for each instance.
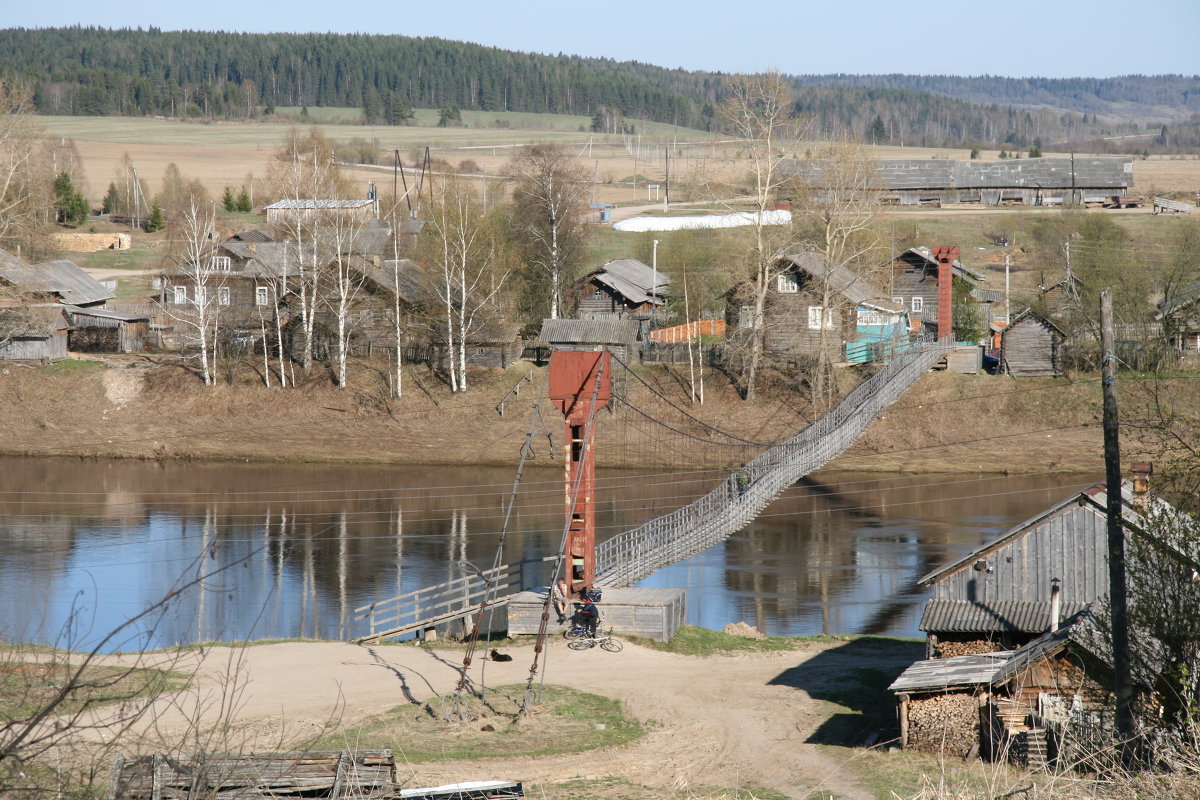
(1023, 181)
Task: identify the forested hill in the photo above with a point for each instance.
(1127, 96)
(94, 71)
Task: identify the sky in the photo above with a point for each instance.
(1098, 38)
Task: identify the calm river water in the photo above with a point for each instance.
(86, 546)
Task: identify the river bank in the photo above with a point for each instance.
(137, 408)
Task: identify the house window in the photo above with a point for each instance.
(745, 317)
(180, 295)
(898, 301)
(223, 295)
(221, 263)
(201, 295)
(260, 295)
(918, 304)
(815, 316)
(869, 317)
(788, 282)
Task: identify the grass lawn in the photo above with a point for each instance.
(563, 721)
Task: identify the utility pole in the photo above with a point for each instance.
(1116, 534)
(1007, 318)
(667, 180)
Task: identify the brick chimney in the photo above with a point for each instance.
(945, 257)
(1142, 470)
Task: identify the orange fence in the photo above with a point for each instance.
(692, 330)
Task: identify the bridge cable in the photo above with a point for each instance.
(539, 647)
(537, 426)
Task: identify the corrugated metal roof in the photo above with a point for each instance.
(590, 331)
(257, 236)
(641, 275)
(949, 673)
(986, 295)
(970, 616)
(309, 205)
(412, 279)
(61, 277)
(106, 317)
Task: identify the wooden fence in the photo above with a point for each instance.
(735, 502)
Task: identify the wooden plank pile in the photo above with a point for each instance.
(944, 723)
(339, 774)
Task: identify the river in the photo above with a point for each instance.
(130, 555)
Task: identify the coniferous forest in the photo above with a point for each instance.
(192, 74)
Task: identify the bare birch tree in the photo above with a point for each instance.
(759, 113)
(460, 243)
(837, 216)
(336, 237)
(305, 168)
(26, 173)
(548, 202)
(197, 283)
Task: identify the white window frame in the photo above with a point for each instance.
(223, 295)
(201, 295)
(787, 283)
(180, 293)
(262, 296)
(918, 304)
(817, 315)
(221, 263)
(898, 301)
(745, 316)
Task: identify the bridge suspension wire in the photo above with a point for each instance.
(627, 557)
(540, 651)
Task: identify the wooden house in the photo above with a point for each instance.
(59, 281)
(623, 289)
(912, 283)
(1180, 319)
(1031, 346)
(860, 325)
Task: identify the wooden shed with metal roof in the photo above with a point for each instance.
(618, 336)
(1032, 346)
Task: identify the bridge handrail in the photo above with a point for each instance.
(630, 556)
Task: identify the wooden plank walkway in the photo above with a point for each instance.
(631, 556)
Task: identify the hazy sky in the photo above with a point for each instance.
(1097, 38)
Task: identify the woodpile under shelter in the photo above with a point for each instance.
(1022, 181)
(1047, 701)
(103, 330)
(1032, 346)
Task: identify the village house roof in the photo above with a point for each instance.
(899, 174)
(951, 616)
(855, 288)
(633, 280)
(302, 204)
(925, 255)
(257, 236)
(590, 331)
(32, 321)
(62, 278)
(404, 277)
(102, 317)
(1031, 315)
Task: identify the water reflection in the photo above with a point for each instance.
(248, 551)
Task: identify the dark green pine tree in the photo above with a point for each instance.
(243, 201)
(227, 200)
(112, 200)
(878, 132)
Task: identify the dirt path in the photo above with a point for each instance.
(721, 721)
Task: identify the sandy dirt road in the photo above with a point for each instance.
(721, 721)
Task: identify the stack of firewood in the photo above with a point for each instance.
(947, 723)
(972, 648)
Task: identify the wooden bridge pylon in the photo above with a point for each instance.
(630, 556)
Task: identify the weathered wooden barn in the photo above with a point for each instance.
(1031, 346)
(30, 332)
(1045, 702)
(861, 324)
(103, 330)
(1180, 319)
(623, 289)
(1006, 592)
(619, 336)
(60, 281)
(1024, 181)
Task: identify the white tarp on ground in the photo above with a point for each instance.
(640, 224)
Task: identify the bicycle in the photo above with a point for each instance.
(583, 640)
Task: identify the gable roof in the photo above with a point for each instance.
(1032, 316)
(633, 280)
(404, 277)
(855, 288)
(590, 331)
(33, 321)
(925, 255)
(60, 277)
